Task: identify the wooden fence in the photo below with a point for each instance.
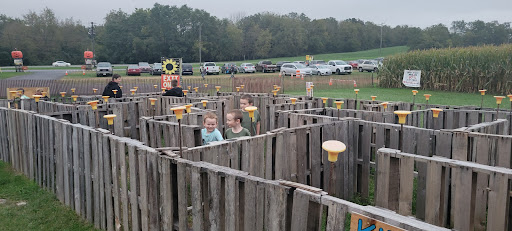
(475, 197)
(118, 183)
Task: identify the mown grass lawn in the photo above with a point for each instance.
(42, 210)
(405, 95)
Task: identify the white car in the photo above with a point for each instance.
(247, 68)
(295, 68)
(61, 64)
(368, 65)
(320, 70)
(340, 67)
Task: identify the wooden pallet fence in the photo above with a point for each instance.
(158, 134)
(480, 194)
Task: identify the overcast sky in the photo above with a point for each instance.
(389, 12)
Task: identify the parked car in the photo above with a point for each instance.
(316, 62)
(186, 69)
(354, 64)
(295, 68)
(144, 67)
(104, 69)
(369, 65)
(211, 68)
(133, 70)
(320, 70)
(226, 68)
(156, 69)
(266, 66)
(247, 68)
(340, 67)
(61, 64)
(280, 63)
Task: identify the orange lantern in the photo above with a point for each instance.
(62, 93)
(427, 96)
(414, 92)
(94, 104)
(251, 110)
(482, 92)
(94, 90)
(178, 111)
(105, 98)
(293, 100)
(402, 115)
(36, 97)
(189, 108)
(499, 99)
(218, 88)
(185, 92)
(373, 97)
(338, 104)
(153, 101)
(204, 102)
(110, 118)
(435, 112)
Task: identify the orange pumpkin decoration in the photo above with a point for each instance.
(17, 55)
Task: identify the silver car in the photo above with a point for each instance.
(247, 68)
(294, 69)
(321, 70)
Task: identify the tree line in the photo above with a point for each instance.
(173, 31)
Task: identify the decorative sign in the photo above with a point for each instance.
(171, 66)
(363, 223)
(412, 78)
(166, 80)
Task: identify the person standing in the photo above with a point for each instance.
(113, 85)
(202, 71)
(175, 90)
(232, 70)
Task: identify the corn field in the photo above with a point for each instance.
(454, 69)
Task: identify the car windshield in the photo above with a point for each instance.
(133, 67)
(298, 65)
(187, 66)
(209, 64)
(249, 65)
(103, 64)
(157, 65)
(323, 67)
(341, 63)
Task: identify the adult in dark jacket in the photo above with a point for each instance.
(113, 85)
(175, 90)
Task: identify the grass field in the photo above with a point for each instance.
(405, 95)
(42, 210)
(5, 75)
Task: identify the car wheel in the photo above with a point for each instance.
(318, 73)
(360, 69)
(338, 72)
(349, 73)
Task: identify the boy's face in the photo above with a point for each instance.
(231, 122)
(244, 103)
(118, 80)
(210, 124)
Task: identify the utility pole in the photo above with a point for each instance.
(93, 34)
(200, 44)
(380, 50)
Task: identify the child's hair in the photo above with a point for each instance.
(248, 98)
(237, 114)
(209, 115)
(174, 83)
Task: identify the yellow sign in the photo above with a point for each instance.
(169, 66)
(307, 57)
(360, 222)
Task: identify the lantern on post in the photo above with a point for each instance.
(188, 108)
(414, 92)
(373, 98)
(498, 102)
(94, 106)
(73, 90)
(94, 90)
(324, 101)
(204, 103)
(482, 93)
(333, 148)
(251, 110)
(179, 115)
(110, 121)
(435, 115)
(427, 97)
(357, 92)
(155, 86)
(338, 106)
(402, 115)
(115, 93)
(152, 101)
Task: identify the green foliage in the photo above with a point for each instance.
(42, 210)
(454, 69)
(147, 34)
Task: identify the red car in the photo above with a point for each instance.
(133, 70)
(354, 64)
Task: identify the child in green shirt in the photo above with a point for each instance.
(246, 101)
(234, 120)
